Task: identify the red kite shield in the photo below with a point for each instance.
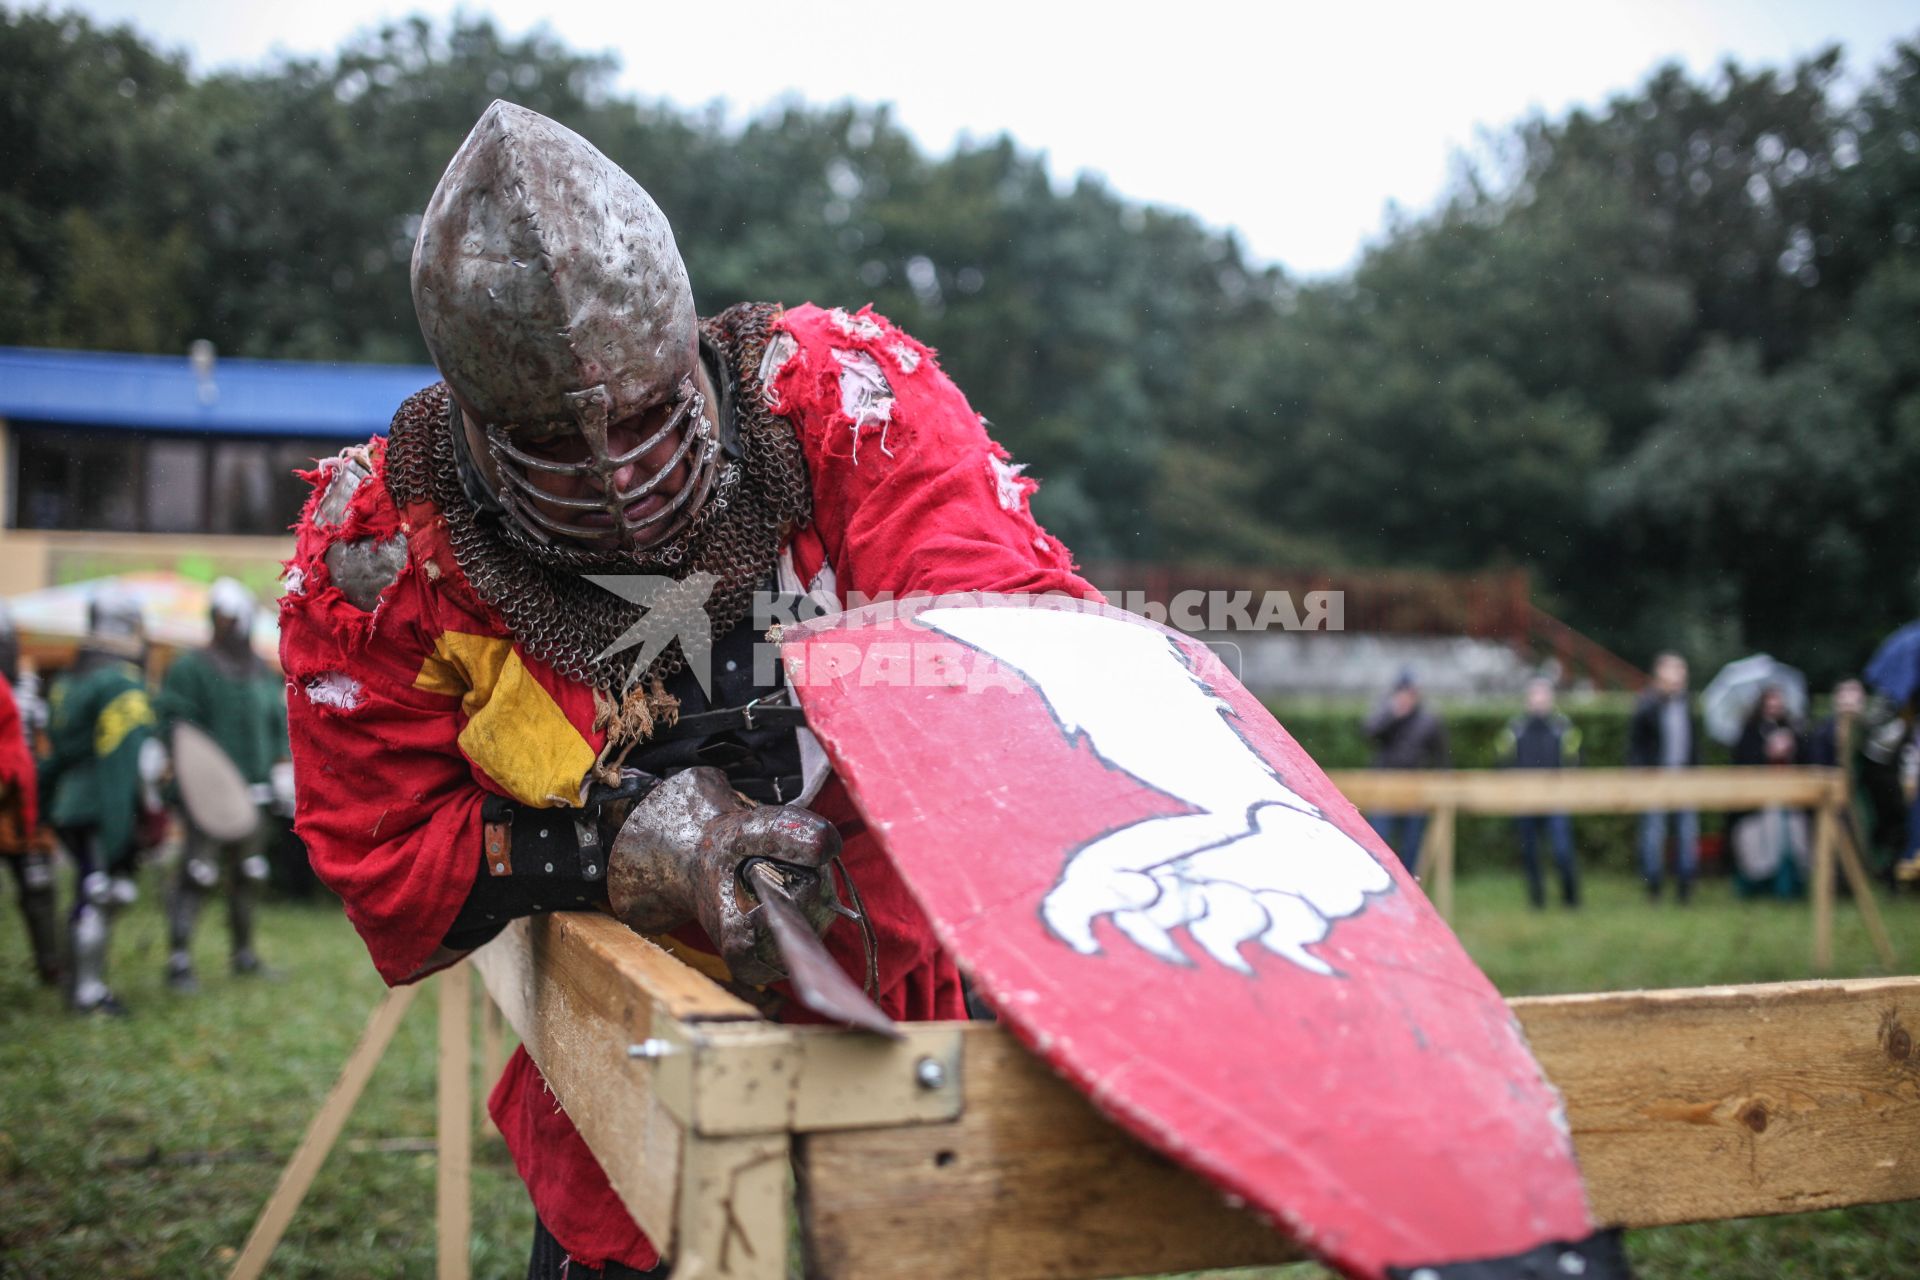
(1168, 901)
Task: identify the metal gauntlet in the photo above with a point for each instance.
(686, 852)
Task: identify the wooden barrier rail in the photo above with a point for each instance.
(955, 1154)
(1514, 792)
(1684, 1105)
(1522, 791)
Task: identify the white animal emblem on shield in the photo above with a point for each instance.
(1253, 861)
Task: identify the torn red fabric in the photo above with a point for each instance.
(923, 514)
(19, 788)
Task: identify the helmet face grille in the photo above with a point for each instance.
(610, 517)
(755, 494)
(547, 282)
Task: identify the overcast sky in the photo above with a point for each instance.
(1295, 123)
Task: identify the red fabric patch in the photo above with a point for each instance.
(569, 1189)
(389, 805)
(929, 518)
(17, 776)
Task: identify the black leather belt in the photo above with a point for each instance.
(774, 711)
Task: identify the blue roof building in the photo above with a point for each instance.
(266, 398)
(113, 463)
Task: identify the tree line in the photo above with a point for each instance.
(1664, 352)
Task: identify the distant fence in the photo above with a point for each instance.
(1445, 793)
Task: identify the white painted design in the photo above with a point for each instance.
(1251, 861)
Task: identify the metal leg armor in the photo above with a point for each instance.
(243, 891)
(91, 930)
(34, 874)
(195, 879)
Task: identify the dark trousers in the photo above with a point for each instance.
(1403, 833)
(549, 1262)
(1559, 830)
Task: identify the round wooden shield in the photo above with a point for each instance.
(217, 799)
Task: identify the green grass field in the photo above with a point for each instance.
(145, 1147)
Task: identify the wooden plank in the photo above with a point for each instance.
(453, 1190)
(1029, 1182)
(493, 1047)
(579, 989)
(1738, 1101)
(1436, 862)
(732, 1079)
(1861, 886)
(733, 1219)
(1526, 791)
(321, 1134)
(1684, 1105)
(1824, 833)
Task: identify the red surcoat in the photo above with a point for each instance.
(402, 717)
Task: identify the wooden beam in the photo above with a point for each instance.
(1029, 1182)
(493, 1046)
(1733, 1102)
(453, 1167)
(321, 1134)
(1437, 869)
(1527, 791)
(1684, 1105)
(734, 1195)
(1861, 886)
(1825, 831)
(580, 989)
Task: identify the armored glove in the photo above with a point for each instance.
(683, 855)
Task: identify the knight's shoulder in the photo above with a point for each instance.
(419, 411)
(340, 488)
(811, 324)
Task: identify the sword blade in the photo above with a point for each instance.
(817, 979)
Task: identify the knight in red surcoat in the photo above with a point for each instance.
(534, 614)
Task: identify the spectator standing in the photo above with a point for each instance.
(1907, 870)
(1769, 718)
(1542, 738)
(1405, 735)
(1837, 740)
(1769, 845)
(1665, 734)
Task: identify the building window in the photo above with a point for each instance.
(176, 486)
(118, 481)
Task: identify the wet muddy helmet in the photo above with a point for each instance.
(554, 302)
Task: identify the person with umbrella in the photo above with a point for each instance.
(1769, 845)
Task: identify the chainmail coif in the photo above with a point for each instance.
(541, 590)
